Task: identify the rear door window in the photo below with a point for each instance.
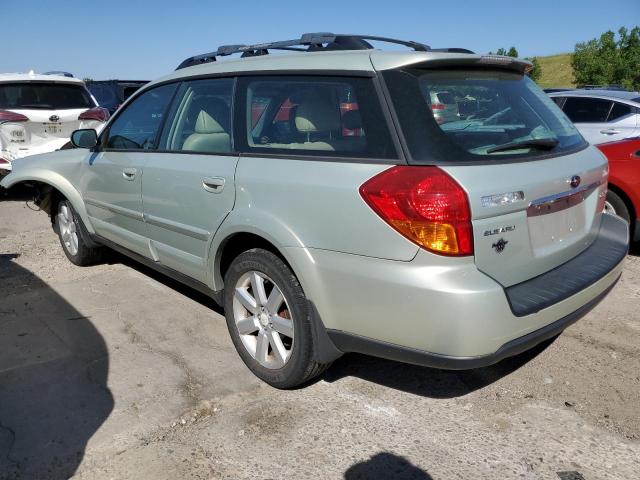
(587, 110)
(318, 116)
(619, 110)
(46, 96)
(137, 126)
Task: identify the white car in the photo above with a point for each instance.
(601, 116)
(38, 113)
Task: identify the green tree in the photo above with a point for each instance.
(501, 51)
(513, 52)
(607, 60)
(536, 72)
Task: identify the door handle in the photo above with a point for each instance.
(610, 131)
(129, 174)
(213, 184)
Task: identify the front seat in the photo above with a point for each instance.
(211, 130)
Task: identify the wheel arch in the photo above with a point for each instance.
(628, 203)
(52, 188)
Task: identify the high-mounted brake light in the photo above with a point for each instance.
(98, 113)
(425, 205)
(7, 116)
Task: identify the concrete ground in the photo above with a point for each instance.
(114, 372)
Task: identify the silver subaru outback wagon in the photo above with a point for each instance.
(320, 196)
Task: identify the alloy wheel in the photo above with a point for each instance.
(263, 319)
(68, 230)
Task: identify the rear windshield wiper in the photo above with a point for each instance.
(39, 106)
(541, 143)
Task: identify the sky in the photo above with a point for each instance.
(136, 39)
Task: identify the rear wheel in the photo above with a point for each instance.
(72, 234)
(269, 320)
(614, 205)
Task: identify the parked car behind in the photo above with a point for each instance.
(39, 112)
(623, 198)
(324, 228)
(601, 115)
(110, 94)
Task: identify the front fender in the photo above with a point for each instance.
(56, 181)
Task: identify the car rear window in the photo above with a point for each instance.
(501, 115)
(46, 96)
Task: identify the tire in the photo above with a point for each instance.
(73, 236)
(288, 360)
(616, 206)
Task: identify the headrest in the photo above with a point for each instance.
(318, 113)
(352, 120)
(213, 117)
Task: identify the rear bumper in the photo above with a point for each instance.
(346, 342)
(440, 311)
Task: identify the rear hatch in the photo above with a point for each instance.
(535, 188)
(46, 115)
(528, 218)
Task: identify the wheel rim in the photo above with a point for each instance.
(608, 208)
(263, 319)
(68, 230)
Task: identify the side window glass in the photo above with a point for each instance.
(137, 126)
(323, 116)
(587, 110)
(200, 119)
(558, 100)
(619, 110)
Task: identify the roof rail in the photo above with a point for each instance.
(308, 42)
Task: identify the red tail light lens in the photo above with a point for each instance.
(3, 161)
(425, 205)
(437, 106)
(98, 113)
(7, 116)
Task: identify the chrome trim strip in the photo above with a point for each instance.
(560, 201)
(568, 193)
(115, 209)
(193, 232)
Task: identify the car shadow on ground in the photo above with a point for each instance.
(53, 378)
(424, 381)
(386, 465)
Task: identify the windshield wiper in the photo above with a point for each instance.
(541, 143)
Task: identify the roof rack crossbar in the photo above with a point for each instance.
(313, 41)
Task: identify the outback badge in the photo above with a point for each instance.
(499, 245)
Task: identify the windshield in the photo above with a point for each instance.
(499, 114)
(47, 96)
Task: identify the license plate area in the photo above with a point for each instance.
(559, 220)
(52, 128)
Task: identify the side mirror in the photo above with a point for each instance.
(85, 138)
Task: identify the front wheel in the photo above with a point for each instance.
(269, 320)
(73, 236)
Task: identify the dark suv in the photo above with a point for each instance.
(110, 94)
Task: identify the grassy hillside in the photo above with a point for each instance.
(556, 71)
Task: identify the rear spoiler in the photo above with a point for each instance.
(498, 61)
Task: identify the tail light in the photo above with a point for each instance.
(425, 205)
(98, 113)
(4, 162)
(7, 116)
(437, 106)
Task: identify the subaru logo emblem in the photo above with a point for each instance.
(575, 181)
(54, 118)
(499, 245)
